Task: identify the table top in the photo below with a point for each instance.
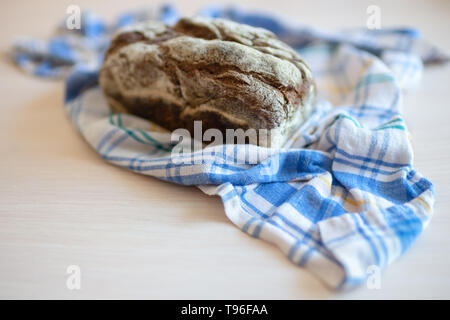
(138, 237)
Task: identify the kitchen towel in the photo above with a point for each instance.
(341, 199)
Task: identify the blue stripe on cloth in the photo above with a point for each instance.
(79, 81)
(405, 223)
(364, 168)
(396, 191)
(376, 161)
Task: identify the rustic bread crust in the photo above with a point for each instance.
(226, 74)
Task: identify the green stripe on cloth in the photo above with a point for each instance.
(357, 124)
(374, 78)
(391, 127)
(132, 133)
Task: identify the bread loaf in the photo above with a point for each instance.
(227, 75)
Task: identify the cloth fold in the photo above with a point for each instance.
(339, 199)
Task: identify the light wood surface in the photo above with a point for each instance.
(137, 237)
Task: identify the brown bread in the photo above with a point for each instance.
(226, 74)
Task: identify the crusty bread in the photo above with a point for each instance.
(227, 75)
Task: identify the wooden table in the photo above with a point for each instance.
(137, 237)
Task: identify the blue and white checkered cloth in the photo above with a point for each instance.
(343, 196)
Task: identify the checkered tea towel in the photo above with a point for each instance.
(341, 198)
